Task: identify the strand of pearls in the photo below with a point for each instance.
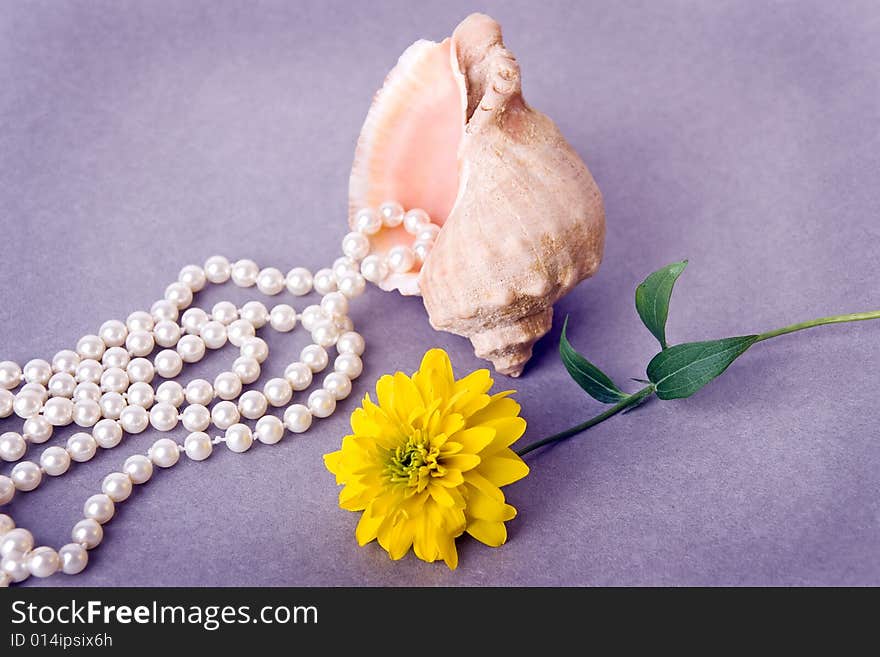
(104, 386)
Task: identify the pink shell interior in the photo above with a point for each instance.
(408, 147)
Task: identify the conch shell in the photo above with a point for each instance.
(522, 218)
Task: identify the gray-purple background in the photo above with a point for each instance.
(137, 137)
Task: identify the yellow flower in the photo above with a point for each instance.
(427, 462)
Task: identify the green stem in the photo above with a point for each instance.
(836, 319)
(632, 400)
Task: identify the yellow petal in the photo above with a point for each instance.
(475, 439)
(500, 406)
(367, 527)
(507, 431)
(463, 462)
(477, 480)
(493, 534)
(331, 462)
(484, 507)
(504, 468)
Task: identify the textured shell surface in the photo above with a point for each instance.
(522, 218)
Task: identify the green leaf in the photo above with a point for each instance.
(681, 370)
(589, 377)
(652, 298)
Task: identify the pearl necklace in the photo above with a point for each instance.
(105, 384)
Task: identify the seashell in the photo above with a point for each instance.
(522, 218)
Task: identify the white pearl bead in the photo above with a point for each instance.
(277, 392)
(37, 429)
(27, 404)
(170, 392)
(351, 343)
(239, 438)
(315, 356)
(401, 259)
(163, 417)
(245, 272)
(107, 433)
(297, 418)
(367, 221)
(39, 371)
(66, 360)
(338, 385)
(117, 486)
(35, 389)
(374, 269)
(298, 375)
(86, 390)
(214, 334)
(7, 491)
(252, 404)
(311, 315)
(428, 233)
(26, 476)
(217, 269)
(10, 375)
(299, 281)
(168, 363)
(58, 411)
(255, 348)
(270, 281)
(112, 404)
(15, 567)
(322, 403)
(139, 343)
(334, 304)
(325, 281)
(269, 430)
(225, 414)
(191, 348)
(422, 250)
(89, 346)
(391, 213)
(198, 446)
(116, 357)
(43, 561)
(7, 399)
(224, 312)
(415, 220)
(166, 333)
(113, 333)
(227, 385)
(193, 277)
(255, 312)
(88, 533)
(134, 419)
(141, 394)
(99, 508)
(12, 446)
(355, 245)
(349, 364)
(238, 330)
(199, 391)
(344, 265)
(193, 320)
(86, 412)
(89, 371)
(168, 310)
(325, 333)
(344, 324)
(283, 318)
(55, 461)
(139, 321)
(164, 453)
(196, 417)
(140, 369)
(7, 524)
(114, 380)
(138, 468)
(81, 447)
(18, 540)
(74, 559)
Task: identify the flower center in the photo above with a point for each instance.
(414, 462)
